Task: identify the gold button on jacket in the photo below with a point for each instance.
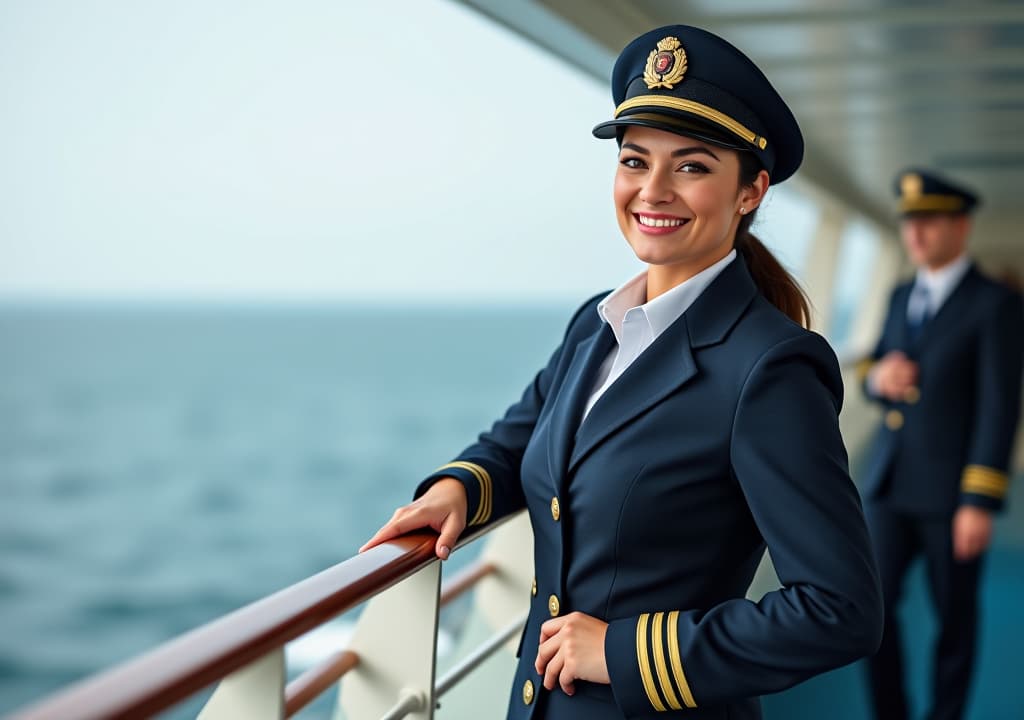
(894, 419)
(556, 512)
(553, 605)
(528, 692)
(533, 588)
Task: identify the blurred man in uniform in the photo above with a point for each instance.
(947, 371)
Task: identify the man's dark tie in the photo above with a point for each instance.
(920, 312)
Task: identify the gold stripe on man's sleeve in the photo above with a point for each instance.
(984, 480)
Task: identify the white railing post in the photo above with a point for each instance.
(255, 692)
(499, 599)
(859, 419)
(504, 595)
(396, 639)
(822, 265)
(889, 264)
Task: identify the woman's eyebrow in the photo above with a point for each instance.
(681, 152)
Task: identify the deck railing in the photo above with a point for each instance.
(386, 671)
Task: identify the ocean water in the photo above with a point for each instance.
(163, 465)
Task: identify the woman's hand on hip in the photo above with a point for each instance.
(572, 648)
(442, 507)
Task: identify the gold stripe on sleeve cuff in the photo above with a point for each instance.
(677, 664)
(660, 665)
(982, 480)
(483, 512)
(645, 664)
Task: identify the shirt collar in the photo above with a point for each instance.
(940, 283)
(627, 296)
(663, 310)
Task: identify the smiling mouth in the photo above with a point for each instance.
(660, 222)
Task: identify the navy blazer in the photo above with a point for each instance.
(654, 512)
(949, 443)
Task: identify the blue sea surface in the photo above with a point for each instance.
(163, 465)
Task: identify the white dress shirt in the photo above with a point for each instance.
(637, 324)
(938, 285)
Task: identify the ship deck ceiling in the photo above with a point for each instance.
(877, 85)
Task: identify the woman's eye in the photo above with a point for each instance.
(632, 163)
(694, 167)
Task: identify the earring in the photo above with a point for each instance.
(743, 211)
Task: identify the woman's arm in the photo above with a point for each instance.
(789, 460)
(487, 472)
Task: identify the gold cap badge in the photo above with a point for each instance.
(666, 65)
(911, 185)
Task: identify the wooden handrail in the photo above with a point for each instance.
(307, 687)
(185, 665)
(464, 580)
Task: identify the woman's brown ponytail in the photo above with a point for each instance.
(774, 281)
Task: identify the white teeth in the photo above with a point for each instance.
(659, 222)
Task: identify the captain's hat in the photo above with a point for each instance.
(925, 191)
(691, 82)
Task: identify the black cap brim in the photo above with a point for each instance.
(677, 126)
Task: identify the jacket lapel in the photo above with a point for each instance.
(668, 363)
(902, 330)
(572, 396)
(960, 294)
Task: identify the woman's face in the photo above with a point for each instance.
(678, 200)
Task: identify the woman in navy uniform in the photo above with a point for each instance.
(687, 420)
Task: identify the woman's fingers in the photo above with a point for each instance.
(551, 627)
(572, 648)
(441, 508)
(553, 671)
(566, 677)
(405, 518)
(391, 529)
(549, 644)
(545, 652)
(450, 530)
(553, 658)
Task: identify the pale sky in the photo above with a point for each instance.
(323, 150)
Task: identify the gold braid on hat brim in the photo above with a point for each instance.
(932, 203)
(694, 108)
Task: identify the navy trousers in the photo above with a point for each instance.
(898, 538)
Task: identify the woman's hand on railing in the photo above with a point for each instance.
(572, 648)
(443, 507)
